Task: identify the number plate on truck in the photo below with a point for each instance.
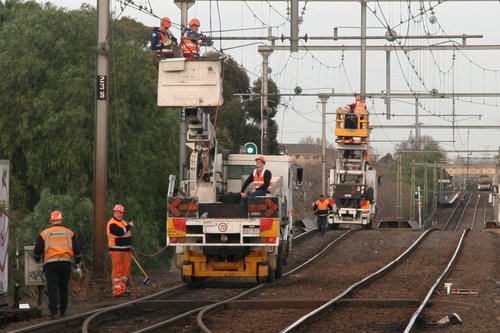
(220, 227)
(251, 231)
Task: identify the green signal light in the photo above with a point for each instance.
(250, 148)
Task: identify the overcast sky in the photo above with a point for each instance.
(321, 71)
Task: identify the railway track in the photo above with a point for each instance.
(277, 306)
(402, 291)
(182, 298)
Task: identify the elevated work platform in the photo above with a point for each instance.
(351, 128)
(190, 83)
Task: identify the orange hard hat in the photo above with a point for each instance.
(194, 22)
(119, 208)
(261, 157)
(56, 216)
(165, 22)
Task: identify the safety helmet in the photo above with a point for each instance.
(262, 158)
(119, 208)
(165, 22)
(194, 22)
(56, 216)
(358, 97)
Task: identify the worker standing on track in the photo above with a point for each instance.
(119, 246)
(321, 209)
(59, 248)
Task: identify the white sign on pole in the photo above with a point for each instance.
(33, 271)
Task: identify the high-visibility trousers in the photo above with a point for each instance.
(120, 271)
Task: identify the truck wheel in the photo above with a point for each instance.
(368, 225)
(270, 275)
(281, 259)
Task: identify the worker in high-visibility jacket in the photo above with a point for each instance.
(321, 209)
(359, 104)
(119, 246)
(191, 40)
(355, 107)
(59, 248)
(162, 40)
(261, 178)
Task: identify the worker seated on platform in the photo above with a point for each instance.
(351, 118)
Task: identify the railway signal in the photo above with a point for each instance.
(250, 148)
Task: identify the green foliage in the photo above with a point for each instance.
(426, 150)
(77, 215)
(47, 107)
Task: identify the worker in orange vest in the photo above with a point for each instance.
(162, 40)
(359, 104)
(355, 108)
(191, 40)
(261, 178)
(321, 209)
(59, 248)
(119, 246)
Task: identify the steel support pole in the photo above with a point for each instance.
(388, 83)
(323, 99)
(363, 50)
(184, 6)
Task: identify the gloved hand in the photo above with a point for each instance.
(131, 224)
(209, 42)
(78, 271)
(167, 43)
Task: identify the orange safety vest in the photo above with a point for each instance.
(322, 205)
(112, 239)
(166, 52)
(359, 106)
(58, 244)
(258, 179)
(190, 47)
(365, 204)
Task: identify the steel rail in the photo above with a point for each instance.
(432, 290)
(463, 212)
(98, 317)
(451, 216)
(219, 306)
(311, 316)
(61, 325)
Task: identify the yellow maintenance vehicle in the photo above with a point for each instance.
(353, 182)
(214, 233)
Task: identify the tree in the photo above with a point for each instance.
(47, 109)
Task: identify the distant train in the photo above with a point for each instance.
(447, 198)
(484, 183)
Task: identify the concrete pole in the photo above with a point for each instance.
(264, 137)
(323, 98)
(101, 139)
